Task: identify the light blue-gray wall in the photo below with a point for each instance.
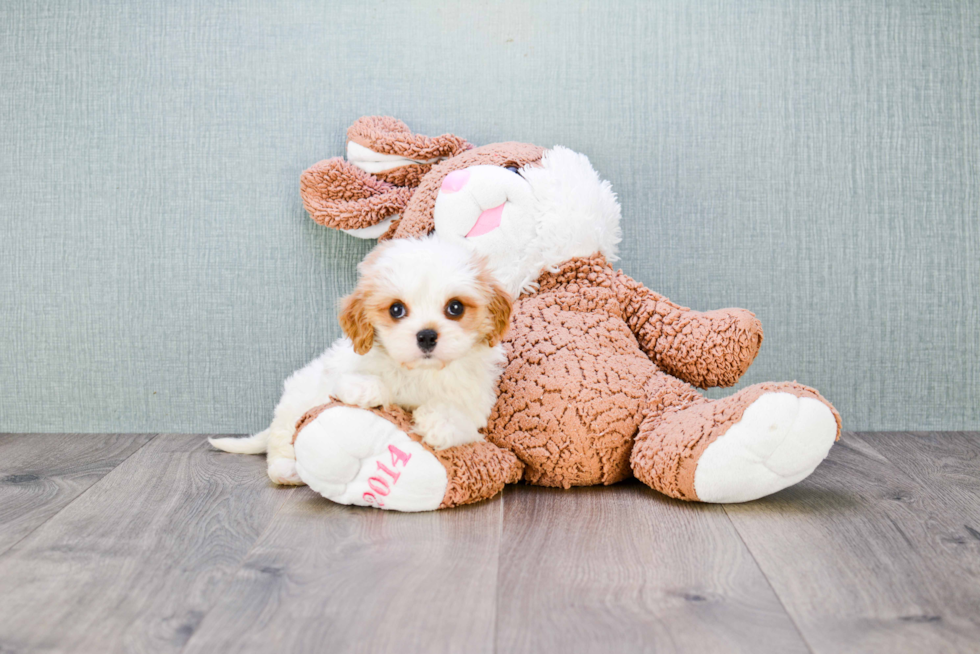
(815, 162)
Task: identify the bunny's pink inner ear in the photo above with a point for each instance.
(387, 148)
(340, 195)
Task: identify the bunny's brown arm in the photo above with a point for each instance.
(711, 348)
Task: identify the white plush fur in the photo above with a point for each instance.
(553, 212)
(347, 456)
(779, 441)
(451, 389)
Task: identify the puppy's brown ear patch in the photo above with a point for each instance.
(355, 322)
(499, 308)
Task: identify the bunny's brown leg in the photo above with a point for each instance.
(739, 448)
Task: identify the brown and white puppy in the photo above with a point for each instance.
(423, 330)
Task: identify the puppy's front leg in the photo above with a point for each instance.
(361, 390)
(442, 425)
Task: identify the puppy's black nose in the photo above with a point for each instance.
(427, 339)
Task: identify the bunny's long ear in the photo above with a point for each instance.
(340, 195)
(365, 195)
(387, 148)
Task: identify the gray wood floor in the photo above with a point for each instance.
(144, 543)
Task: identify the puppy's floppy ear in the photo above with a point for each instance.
(355, 323)
(499, 307)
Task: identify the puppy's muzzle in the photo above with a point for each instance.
(427, 339)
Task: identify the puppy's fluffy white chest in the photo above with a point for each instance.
(467, 383)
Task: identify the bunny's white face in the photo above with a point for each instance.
(526, 220)
(487, 204)
(490, 210)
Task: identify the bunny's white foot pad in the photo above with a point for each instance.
(354, 456)
(779, 441)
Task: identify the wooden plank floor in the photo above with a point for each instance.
(143, 543)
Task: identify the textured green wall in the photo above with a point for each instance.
(816, 162)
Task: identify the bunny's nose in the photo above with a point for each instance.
(455, 180)
(427, 339)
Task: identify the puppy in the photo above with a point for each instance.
(423, 330)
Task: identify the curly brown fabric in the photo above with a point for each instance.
(706, 349)
(573, 393)
(585, 371)
(340, 195)
(474, 472)
(389, 135)
(410, 175)
(668, 446)
(417, 218)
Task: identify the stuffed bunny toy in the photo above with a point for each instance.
(602, 378)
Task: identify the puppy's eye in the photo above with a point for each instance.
(514, 170)
(397, 311)
(454, 309)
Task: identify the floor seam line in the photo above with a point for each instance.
(496, 578)
(79, 496)
(241, 563)
(758, 566)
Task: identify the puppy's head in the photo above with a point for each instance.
(425, 302)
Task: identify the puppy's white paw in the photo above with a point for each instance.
(442, 427)
(283, 472)
(361, 390)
